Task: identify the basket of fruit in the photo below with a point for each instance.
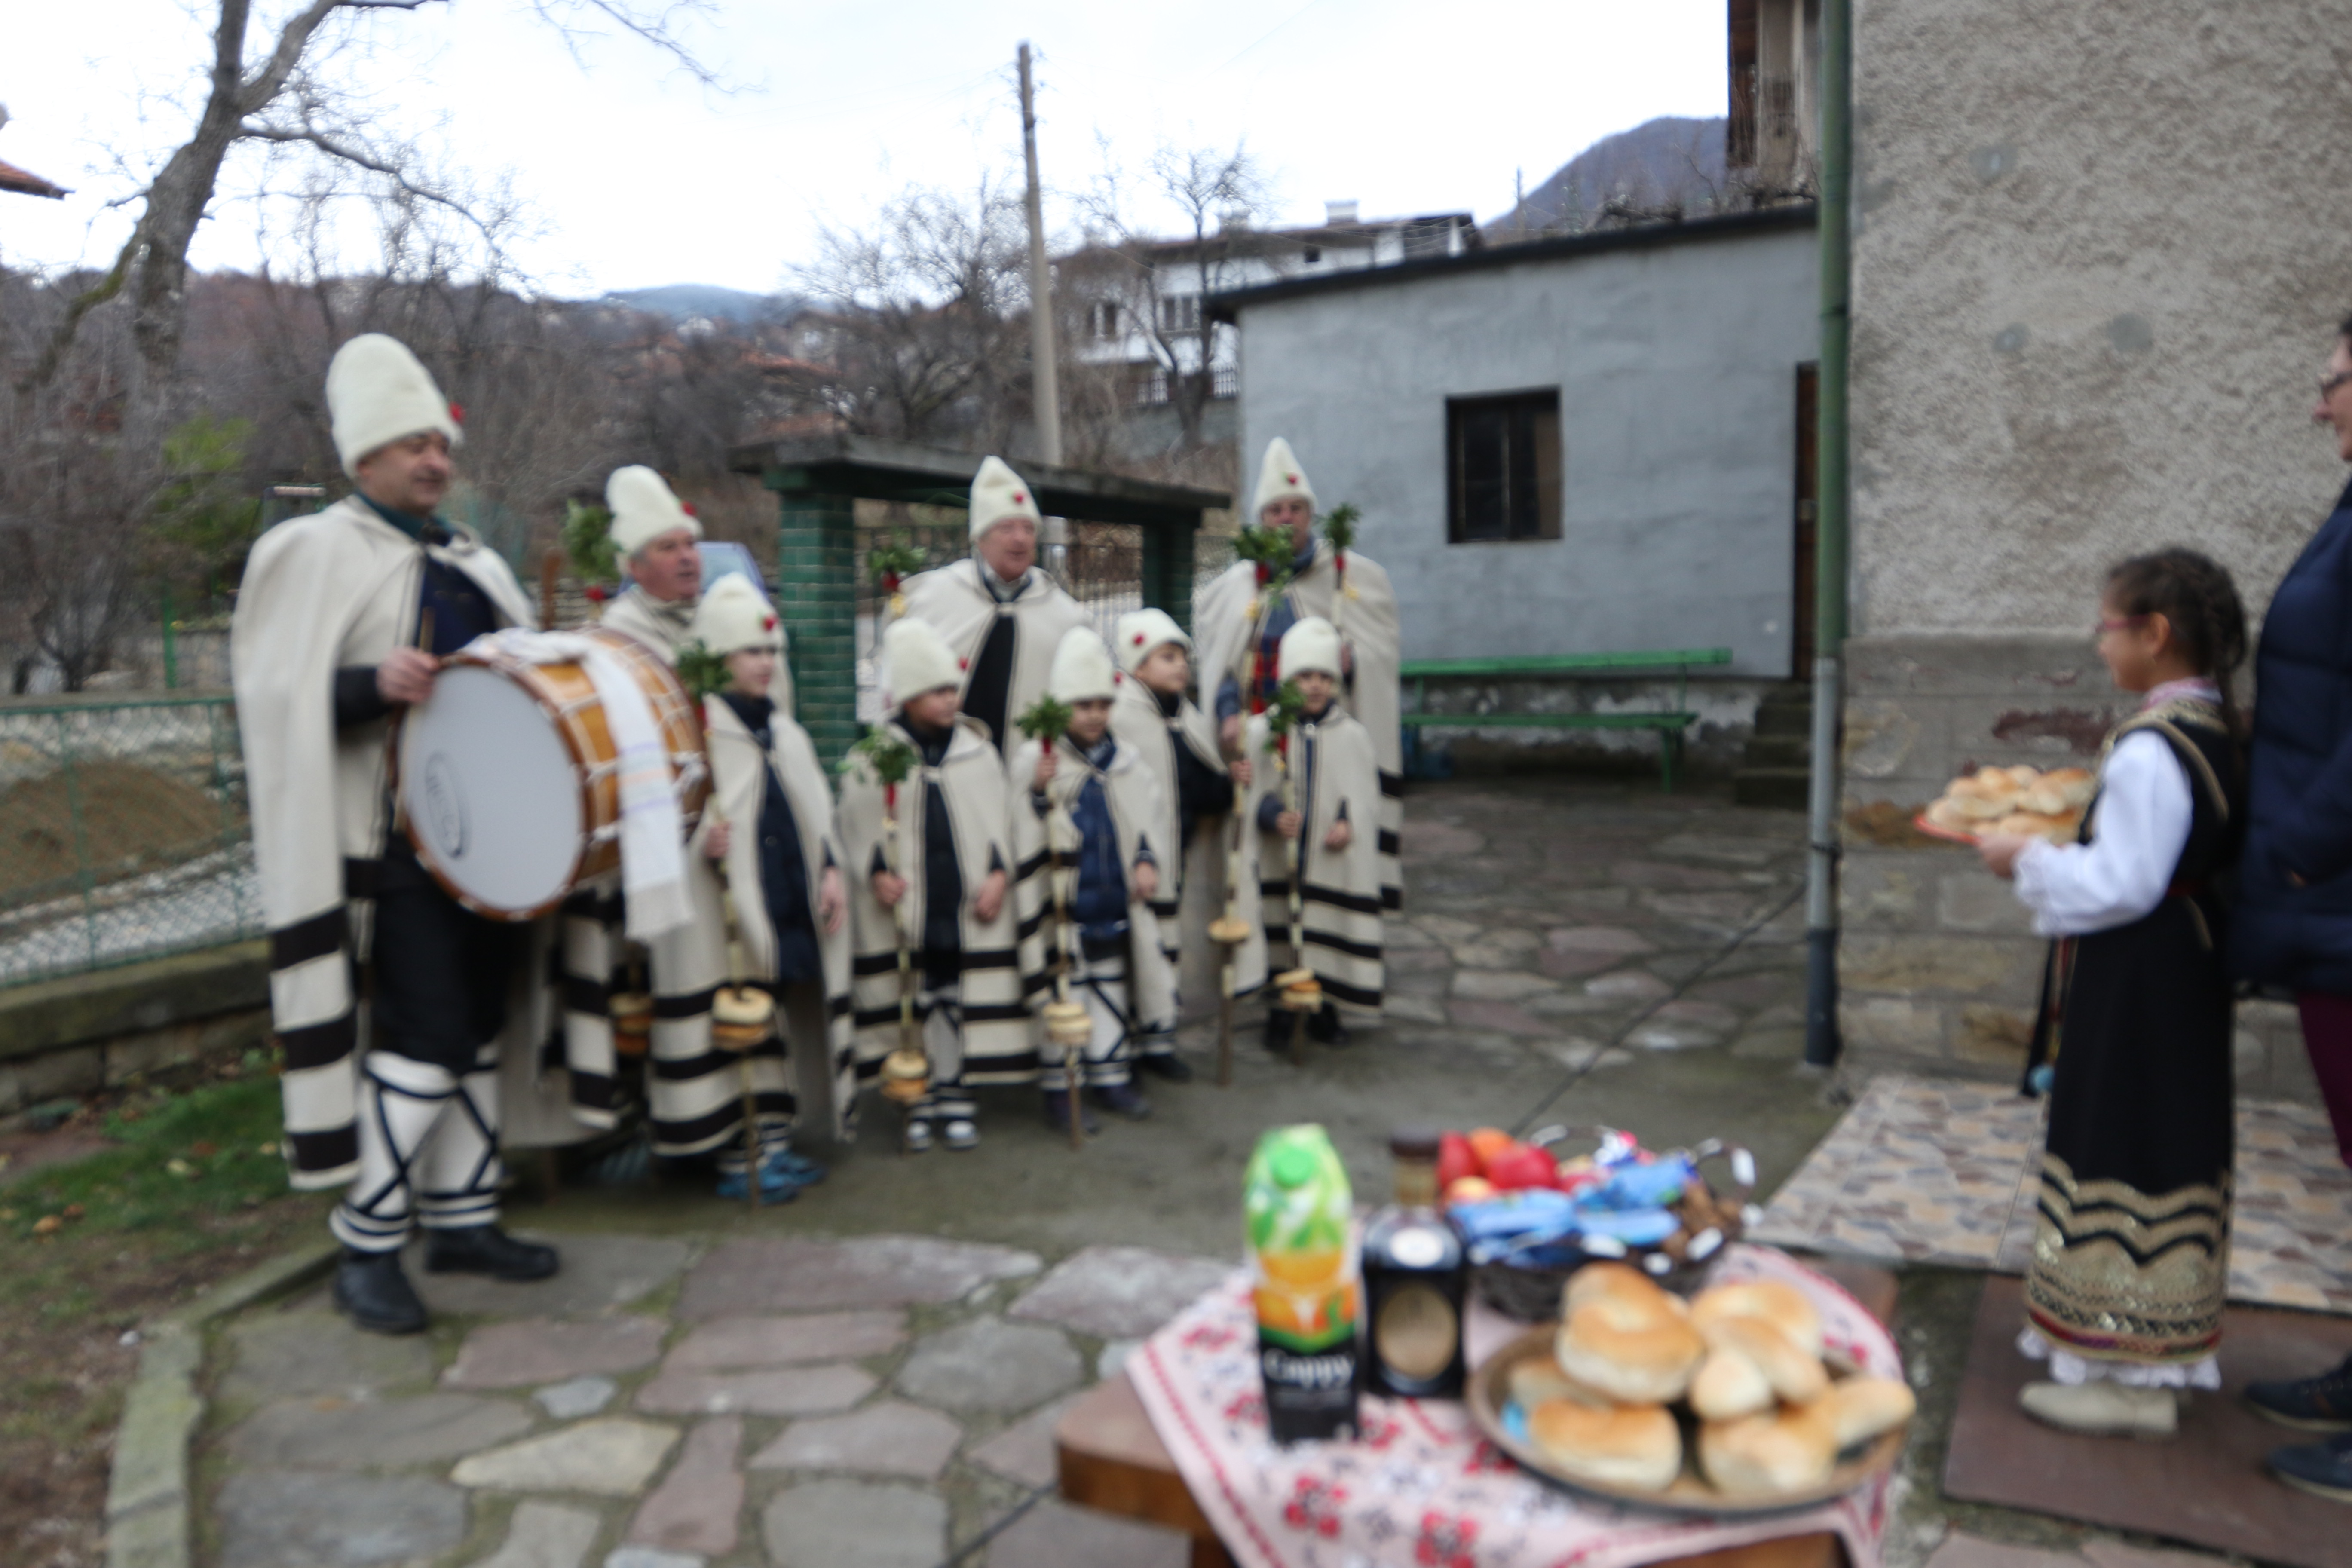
(1533, 1211)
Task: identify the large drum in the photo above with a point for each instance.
(509, 776)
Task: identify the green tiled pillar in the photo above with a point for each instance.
(816, 589)
(1168, 563)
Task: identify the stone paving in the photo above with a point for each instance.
(870, 1374)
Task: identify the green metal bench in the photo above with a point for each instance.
(1670, 723)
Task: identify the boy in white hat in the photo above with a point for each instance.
(1242, 627)
(1000, 616)
(1155, 718)
(341, 621)
(931, 861)
(1093, 800)
(770, 824)
(1335, 800)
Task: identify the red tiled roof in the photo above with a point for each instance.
(24, 182)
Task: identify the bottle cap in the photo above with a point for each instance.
(1414, 1141)
(1292, 1166)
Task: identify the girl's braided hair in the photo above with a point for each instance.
(2194, 592)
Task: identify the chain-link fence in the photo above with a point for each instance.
(122, 833)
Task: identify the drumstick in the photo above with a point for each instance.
(392, 730)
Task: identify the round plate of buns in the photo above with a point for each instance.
(2021, 800)
(1726, 1403)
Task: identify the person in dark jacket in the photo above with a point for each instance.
(2295, 919)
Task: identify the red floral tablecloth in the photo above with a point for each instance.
(1419, 1487)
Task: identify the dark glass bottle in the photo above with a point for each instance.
(1416, 1278)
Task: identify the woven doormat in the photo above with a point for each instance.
(2206, 1487)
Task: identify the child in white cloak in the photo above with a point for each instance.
(773, 831)
(942, 877)
(1331, 819)
(1155, 715)
(1092, 800)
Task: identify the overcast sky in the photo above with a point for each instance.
(637, 176)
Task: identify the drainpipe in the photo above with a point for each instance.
(1830, 534)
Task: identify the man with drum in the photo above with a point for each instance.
(339, 624)
(1000, 616)
(694, 1092)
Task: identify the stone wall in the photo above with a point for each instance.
(1938, 969)
(63, 1038)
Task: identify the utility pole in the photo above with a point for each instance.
(1045, 375)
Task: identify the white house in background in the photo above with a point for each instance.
(1139, 306)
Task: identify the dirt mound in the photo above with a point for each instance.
(134, 820)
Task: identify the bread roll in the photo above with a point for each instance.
(1784, 1307)
(1769, 1454)
(1794, 1375)
(2075, 785)
(1634, 1351)
(1730, 1385)
(1535, 1380)
(1637, 1447)
(1862, 1407)
(2024, 777)
(1989, 793)
(1952, 820)
(1595, 1280)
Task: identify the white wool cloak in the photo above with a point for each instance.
(1136, 816)
(1225, 621)
(1153, 737)
(1000, 966)
(1339, 893)
(339, 588)
(666, 632)
(737, 766)
(960, 607)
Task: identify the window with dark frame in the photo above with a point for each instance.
(1503, 467)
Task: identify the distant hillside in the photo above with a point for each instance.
(684, 301)
(1670, 163)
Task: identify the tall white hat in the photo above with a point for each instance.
(997, 493)
(1312, 644)
(916, 659)
(378, 392)
(734, 615)
(1082, 672)
(1279, 477)
(1140, 631)
(643, 507)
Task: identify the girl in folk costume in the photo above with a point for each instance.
(1245, 612)
(1326, 764)
(339, 624)
(1153, 717)
(2131, 1248)
(1090, 799)
(942, 880)
(999, 614)
(773, 832)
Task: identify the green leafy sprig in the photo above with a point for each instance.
(1287, 710)
(1340, 525)
(899, 559)
(1045, 721)
(702, 671)
(890, 758)
(588, 541)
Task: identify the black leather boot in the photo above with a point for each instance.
(373, 1289)
(1325, 1028)
(487, 1249)
(1281, 1024)
(1167, 1065)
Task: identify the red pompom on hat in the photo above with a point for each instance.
(768, 624)
(687, 506)
(1139, 639)
(458, 413)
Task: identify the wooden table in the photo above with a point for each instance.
(1111, 1458)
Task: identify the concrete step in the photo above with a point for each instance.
(1779, 715)
(1776, 752)
(1787, 787)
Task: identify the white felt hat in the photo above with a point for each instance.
(1279, 477)
(643, 508)
(1312, 644)
(997, 493)
(734, 615)
(1140, 631)
(377, 393)
(1082, 670)
(916, 659)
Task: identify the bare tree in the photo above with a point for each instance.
(924, 316)
(285, 92)
(1167, 284)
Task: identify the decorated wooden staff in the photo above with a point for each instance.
(742, 1017)
(907, 1070)
(1296, 990)
(1067, 1024)
(1268, 551)
(892, 564)
(1340, 528)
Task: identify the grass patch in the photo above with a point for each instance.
(205, 1154)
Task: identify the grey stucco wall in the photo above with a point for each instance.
(2100, 253)
(1677, 368)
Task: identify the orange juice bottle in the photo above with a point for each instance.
(1307, 1291)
